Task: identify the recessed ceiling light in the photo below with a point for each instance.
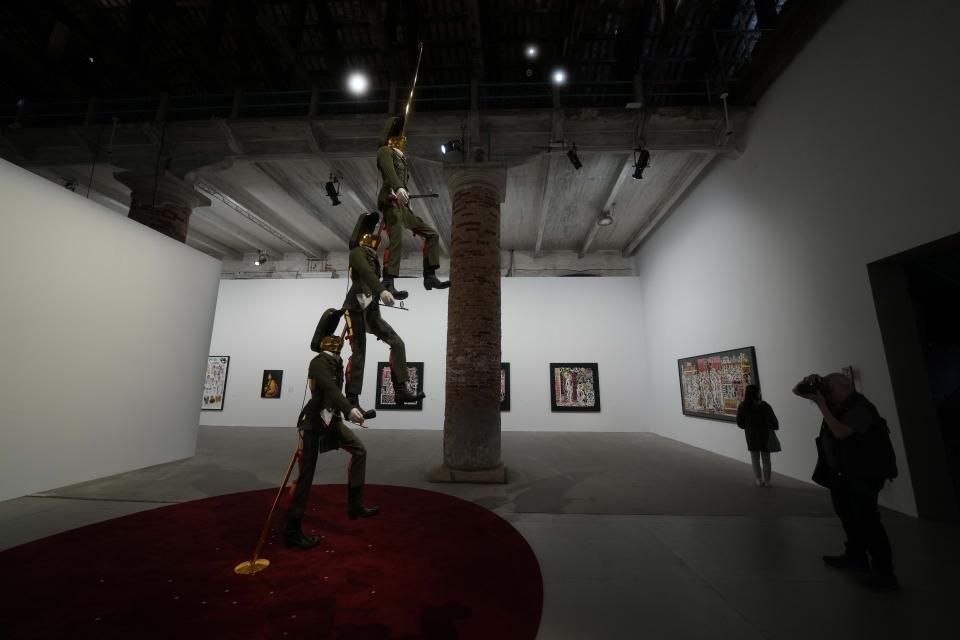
(532, 51)
(559, 76)
(358, 83)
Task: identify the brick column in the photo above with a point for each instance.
(471, 427)
(163, 203)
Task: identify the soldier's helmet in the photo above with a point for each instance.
(324, 337)
(392, 128)
(366, 226)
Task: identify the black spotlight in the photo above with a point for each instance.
(333, 190)
(452, 145)
(643, 161)
(574, 158)
(261, 259)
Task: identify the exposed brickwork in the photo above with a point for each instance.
(170, 219)
(471, 434)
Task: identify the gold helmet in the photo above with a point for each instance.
(370, 240)
(393, 134)
(331, 343)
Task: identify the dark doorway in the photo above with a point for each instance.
(917, 295)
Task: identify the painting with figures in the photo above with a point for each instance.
(574, 386)
(385, 399)
(712, 385)
(215, 383)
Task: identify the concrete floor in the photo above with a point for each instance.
(637, 535)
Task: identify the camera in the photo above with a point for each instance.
(812, 385)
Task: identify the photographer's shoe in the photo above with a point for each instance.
(882, 582)
(847, 563)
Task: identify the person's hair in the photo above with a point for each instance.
(752, 394)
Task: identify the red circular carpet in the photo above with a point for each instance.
(429, 566)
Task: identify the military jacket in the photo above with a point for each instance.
(327, 373)
(392, 164)
(365, 276)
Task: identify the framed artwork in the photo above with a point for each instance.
(215, 383)
(504, 386)
(712, 385)
(272, 383)
(385, 387)
(574, 386)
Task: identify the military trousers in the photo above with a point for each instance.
(320, 439)
(371, 321)
(395, 220)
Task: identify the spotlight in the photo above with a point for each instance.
(358, 83)
(643, 161)
(452, 145)
(574, 158)
(333, 190)
(559, 76)
(261, 259)
(532, 51)
(605, 219)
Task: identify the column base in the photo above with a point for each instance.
(443, 473)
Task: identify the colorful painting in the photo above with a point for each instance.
(504, 386)
(712, 385)
(215, 383)
(385, 387)
(272, 383)
(574, 386)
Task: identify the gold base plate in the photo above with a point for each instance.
(249, 568)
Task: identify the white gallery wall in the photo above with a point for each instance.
(851, 158)
(268, 324)
(104, 327)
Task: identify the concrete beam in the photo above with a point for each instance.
(227, 229)
(608, 204)
(546, 163)
(256, 212)
(283, 181)
(678, 188)
(197, 237)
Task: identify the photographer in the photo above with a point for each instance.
(856, 457)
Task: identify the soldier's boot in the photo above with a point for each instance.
(388, 285)
(293, 536)
(402, 395)
(355, 506)
(354, 400)
(430, 279)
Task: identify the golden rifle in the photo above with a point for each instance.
(409, 107)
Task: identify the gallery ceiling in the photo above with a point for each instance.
(246, 101)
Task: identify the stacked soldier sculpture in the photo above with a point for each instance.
(321, 421)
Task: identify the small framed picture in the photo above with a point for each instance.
(574, 386)
(385, 398)
(215, 383)
(272, 383)
(504, 386)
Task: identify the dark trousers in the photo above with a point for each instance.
(855, 502)
(320, 440)
(371, 321)
(395, 220)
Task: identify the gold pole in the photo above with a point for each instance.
(256, 564)
(406, 111)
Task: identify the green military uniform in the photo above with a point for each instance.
(392, 164)
(363, 312)
(322, 429)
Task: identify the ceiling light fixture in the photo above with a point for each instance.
(559, 76)
(532, 51)
(358, 83)
(333, 190)
(261, 258)
(574, 158)
(605, 219)
(452, 145)
(642, 157)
